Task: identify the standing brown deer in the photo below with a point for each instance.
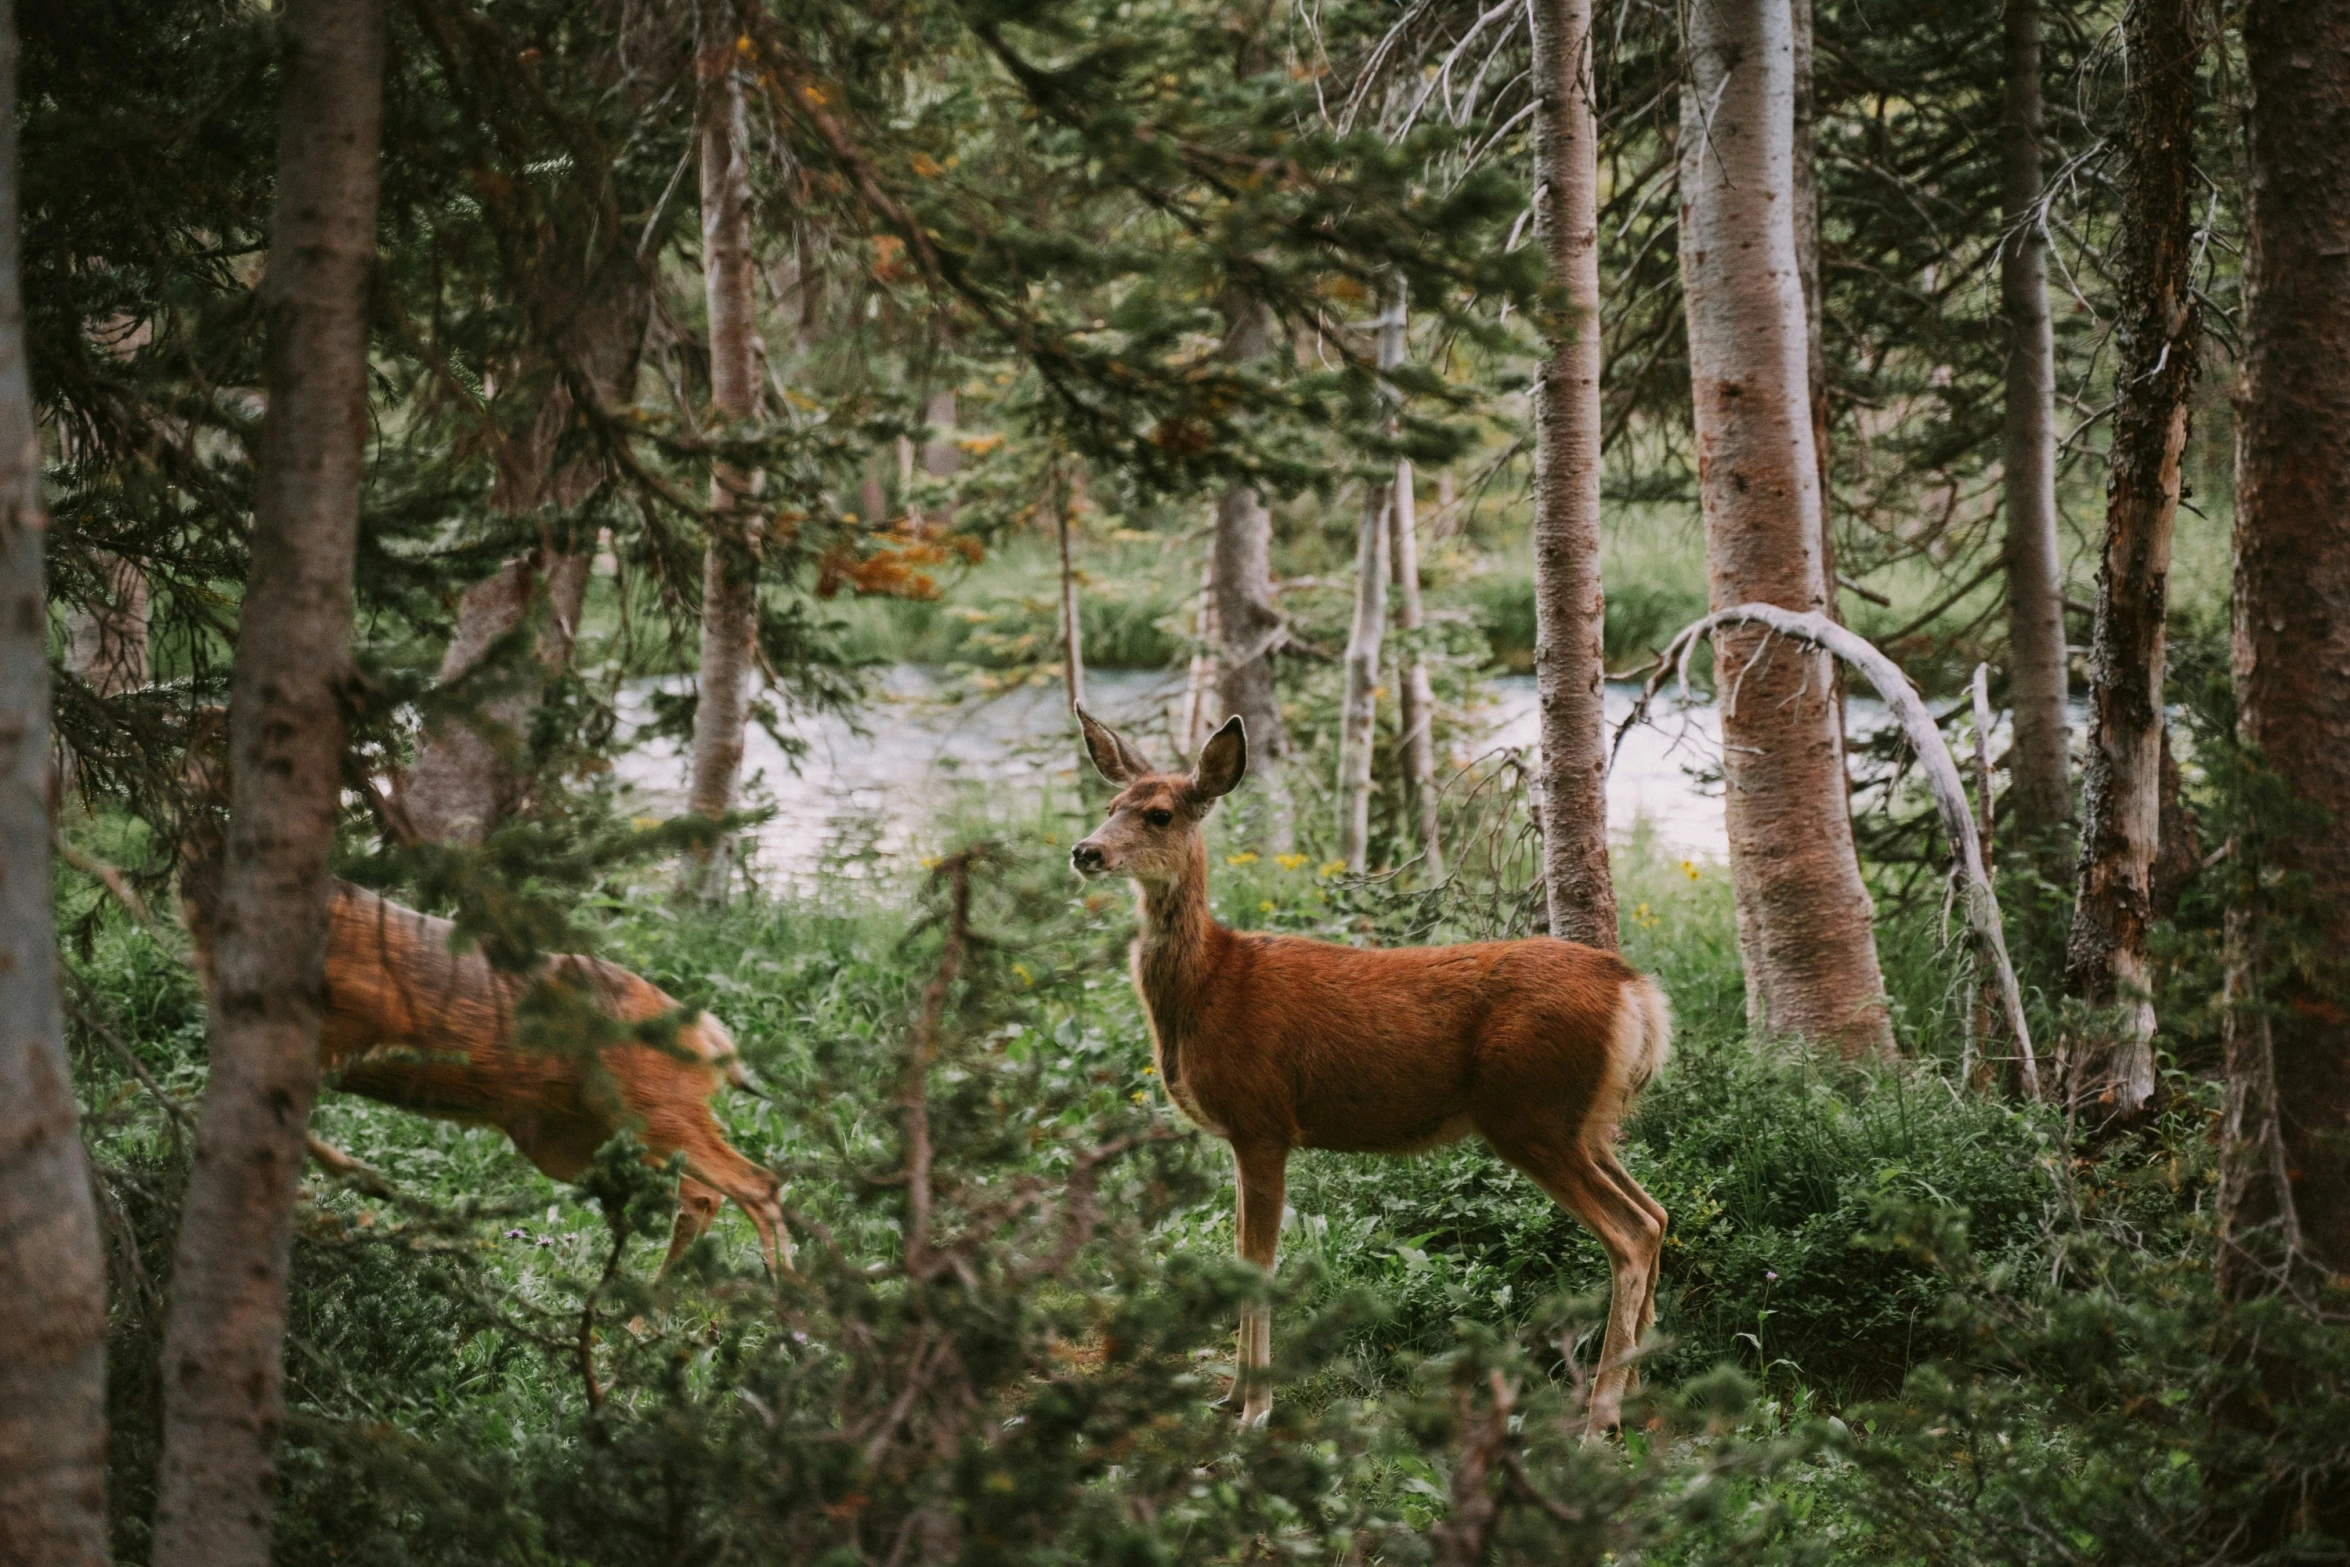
(1277, 1042)
(413, 1022)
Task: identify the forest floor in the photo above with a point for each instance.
(1838, 1230)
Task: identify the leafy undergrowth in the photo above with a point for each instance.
(1898, 1322)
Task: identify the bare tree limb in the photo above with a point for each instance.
(1941, 772)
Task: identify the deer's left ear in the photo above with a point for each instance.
(1222, 761)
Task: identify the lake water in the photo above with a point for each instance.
(925, 747)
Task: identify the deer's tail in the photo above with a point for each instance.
(1644, 1034)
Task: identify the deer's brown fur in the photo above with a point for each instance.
(412, 1022)
(1277, 1042)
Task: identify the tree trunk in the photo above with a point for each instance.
(469, 773)
(470, 769)
(2110, 1067)
(2040, 790)
(106, 643)
(223, 1367)
(1248, 627)
(2285, 1142)
(1804, 170)
(1064, 504)
(1358, 716)
(941, 457)
(52, 1277)
(1570, 612)
(1199, 682)
(1806, 180)
(730, 567)
(1803, 913)
(1417, 711)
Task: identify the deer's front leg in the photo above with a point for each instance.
(1262, 1170)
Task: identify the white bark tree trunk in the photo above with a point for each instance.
(1417, 711)
(1803, 913)
(2040, 777)
(730, 566)
(1358, 718)
(1199, 683)
(1570, 610)
(1064, 502)
(52, 1276)
(223, 1369)
(1248, 626)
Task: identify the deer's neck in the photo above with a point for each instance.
(1175, 949)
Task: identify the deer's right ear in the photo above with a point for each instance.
(1113, 757)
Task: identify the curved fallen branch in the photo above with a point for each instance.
(1942, 777)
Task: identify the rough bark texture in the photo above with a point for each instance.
(106, 643)
(1248, 625)
(223, 1367)
(2285, 1152)
(2110, 1065)
(589, 330)
(2040, 797)
(1417, 711)
(52, 1278)
(1570, 654)
(730, 567)
(1358, 715)
(468, 775)
(1803, 913)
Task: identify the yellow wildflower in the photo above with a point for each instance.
(1289, 862)
(1244, 857)
(1333, 867)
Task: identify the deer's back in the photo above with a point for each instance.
(414, 1024)
(1391, 1049)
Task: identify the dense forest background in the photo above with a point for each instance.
(415, 416)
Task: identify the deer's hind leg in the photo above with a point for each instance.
(1578, 1178)
(1615, 1171)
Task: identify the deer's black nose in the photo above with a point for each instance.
(1086, 857)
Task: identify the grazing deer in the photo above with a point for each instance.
(413, 1022)
(1277, 1042)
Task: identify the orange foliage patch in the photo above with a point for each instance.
(893, 568)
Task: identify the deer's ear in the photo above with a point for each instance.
(1113, 755)
(1222, 761)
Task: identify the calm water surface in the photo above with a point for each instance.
(872, 797)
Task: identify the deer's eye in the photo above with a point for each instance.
(1159, 818)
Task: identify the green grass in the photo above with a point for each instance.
(1864, 1250)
